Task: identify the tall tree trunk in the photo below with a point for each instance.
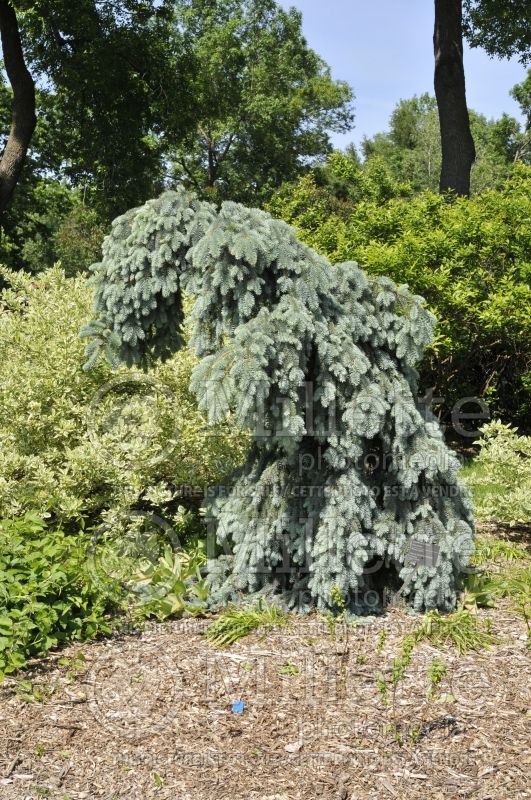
(23, 118)
(458, 152)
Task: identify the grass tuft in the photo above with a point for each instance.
(488, 550)
(236, 622)
(462, 629)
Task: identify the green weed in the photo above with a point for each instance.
(461, 629)
(237, 622)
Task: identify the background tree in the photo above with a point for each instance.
(266, 101)
(412, 146)
(522, 94)
(132, 95)
(503, 30)
(23, 105)
(111, 71)
(457, 145)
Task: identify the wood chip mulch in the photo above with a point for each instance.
(151, 716)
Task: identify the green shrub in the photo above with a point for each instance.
(500, 477)
(469, 259)
(47, 596)
(49, 222)
(94, 446)
(57, 587)
(78, 240)
(99, 455)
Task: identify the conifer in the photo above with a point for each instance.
(348, 485)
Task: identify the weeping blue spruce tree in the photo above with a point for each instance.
(348, 485)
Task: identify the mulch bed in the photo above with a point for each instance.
(150, 716)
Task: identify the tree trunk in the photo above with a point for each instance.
(458, 152)
(23, 118)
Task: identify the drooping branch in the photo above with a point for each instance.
(458, 152)
(23, 117)
(317, 362)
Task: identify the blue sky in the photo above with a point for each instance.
(383, 49)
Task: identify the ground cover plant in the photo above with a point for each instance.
(52, 591)
(46, 595)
